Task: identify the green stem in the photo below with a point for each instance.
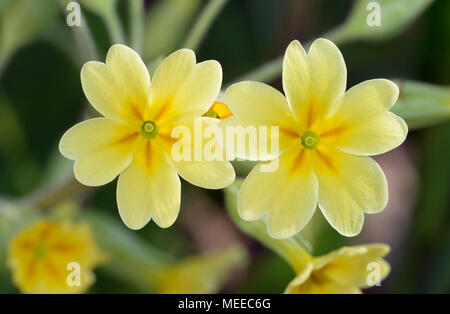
(114, 27)
(131, 259)
(83, 38)
(203, 23)
(137, 21)
(49, 196)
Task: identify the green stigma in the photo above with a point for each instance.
(211, 114)
(41, 251)
(310, 140)
(149, 130)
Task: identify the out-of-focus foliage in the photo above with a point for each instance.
(395, 16)
(21, 21)
(101, 7)
(167, 23)
(422, 104)
(41, 97)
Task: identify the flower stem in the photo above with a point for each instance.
(114, 27)
(83, 38)
(203, 23)
(137, 16)
(49, 196)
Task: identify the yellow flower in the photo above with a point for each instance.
(325, 136)
(134, 138)
(347, 270)
(204, 273)
(40, 256)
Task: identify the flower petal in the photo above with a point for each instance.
(149, 188)
(313, 82)
(329, 287)
(349, 185)
(299, 279)
(296, 79)
(352, 266)
(287, 195)
(118, 88)
(102, 148)
(205, 164)
(258, 110)
(260, 104)
(206, 174)
(366, 127)
(328, 72)
(180, 87)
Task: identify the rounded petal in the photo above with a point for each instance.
(180, 87)
(288, 195)
(349, 185)
(365, 126)
(204, 163)
(102, 148)
(148, 189)
(206, 174)
(367, 99)
(296, 79)
(377, 135)
(328, 72)
(313, 82)
(262, 125)
(260, 104)
(118, 88)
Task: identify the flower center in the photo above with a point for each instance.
(149, 130)
(310, 140)
(41, 251)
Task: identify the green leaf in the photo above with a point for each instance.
(395, 16)
(100, 7)
(421, 104)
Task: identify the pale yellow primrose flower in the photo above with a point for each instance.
(39, 255)
(347, 270)
(204, 273)
(134, 138)
(326, 134)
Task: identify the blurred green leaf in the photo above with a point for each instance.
(107, 10)
(167, 23)
(131, 259)
(203, 23)
(395, 16)
(21, 21)
(100, 7)
(422, 104)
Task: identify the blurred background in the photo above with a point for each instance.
(41, 97)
